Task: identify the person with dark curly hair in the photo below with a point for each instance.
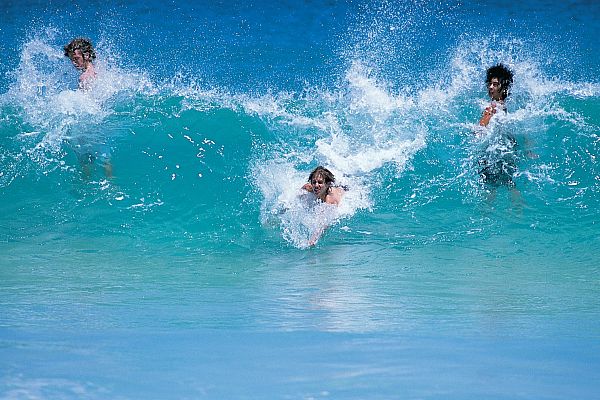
(498, 80)
(498, 165)
(82, 54)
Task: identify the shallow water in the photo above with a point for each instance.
(187, 274)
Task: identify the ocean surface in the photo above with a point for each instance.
(187, 274)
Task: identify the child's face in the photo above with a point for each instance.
(495, 89)
(78, 59)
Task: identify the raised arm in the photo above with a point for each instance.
(487, 115)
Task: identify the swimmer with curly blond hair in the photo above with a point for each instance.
(82, 54)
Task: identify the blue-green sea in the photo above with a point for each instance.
(186, 273)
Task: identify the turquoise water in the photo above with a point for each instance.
(187, 274)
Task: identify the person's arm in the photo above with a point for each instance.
(316, 235)
(487, 115)
(308, 187)
(334, 198)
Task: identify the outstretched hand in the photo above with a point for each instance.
(487, 114)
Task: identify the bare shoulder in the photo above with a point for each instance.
(86, 78)
(335, 195)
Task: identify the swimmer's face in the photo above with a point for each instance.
(318, 184)
(495, 89)
(78, 59)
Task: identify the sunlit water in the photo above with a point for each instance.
(187, 274)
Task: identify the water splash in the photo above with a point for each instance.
(180, 136)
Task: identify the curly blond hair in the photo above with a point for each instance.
(83, 44)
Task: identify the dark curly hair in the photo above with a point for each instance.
(504, 75)
(83, 44)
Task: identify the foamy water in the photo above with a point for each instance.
(187, 272)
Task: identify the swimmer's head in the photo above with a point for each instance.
(498, 80)
(81, 52)
(321, 179)
(322, 172)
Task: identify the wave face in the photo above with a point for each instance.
(167, 196)
(208, 159)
